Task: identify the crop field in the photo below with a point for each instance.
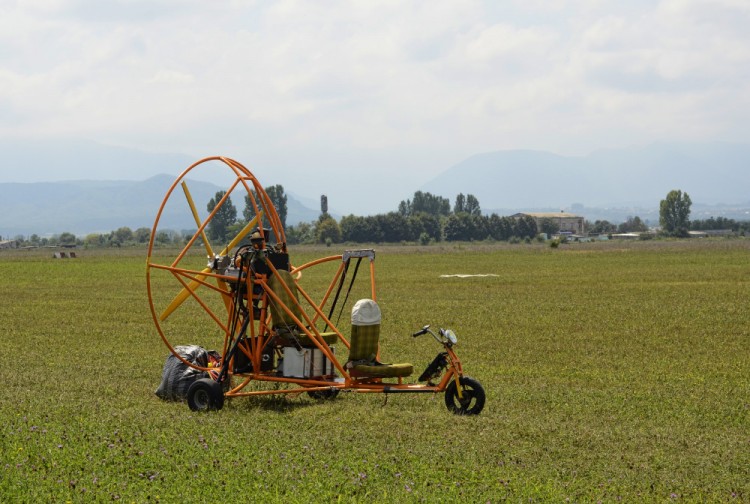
(613, 371)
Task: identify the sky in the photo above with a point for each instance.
(341, 96)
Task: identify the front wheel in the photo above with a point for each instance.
(205, 395)
(472, 400)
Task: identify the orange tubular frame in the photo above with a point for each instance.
(259, 335)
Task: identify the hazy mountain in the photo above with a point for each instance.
(610, 184)
(635, 177)
(83, 207)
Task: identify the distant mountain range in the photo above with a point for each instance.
(608, 184)
(83, 207)
(611, 185)
(711, 173)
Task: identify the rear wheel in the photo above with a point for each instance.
(471, 401)
(205, 395)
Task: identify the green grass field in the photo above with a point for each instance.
(613, 371)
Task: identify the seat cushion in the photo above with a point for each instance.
(376, 370)
(364, 343)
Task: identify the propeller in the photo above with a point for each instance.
(186, 292)
(209, 251)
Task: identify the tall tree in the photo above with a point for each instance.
(472, 205)
(248, 213)
(424, 202)
(460, 205)
(525, 227)
(674, 213)
(404, 208)
(278, 199)
(500, 228)
(224, 217)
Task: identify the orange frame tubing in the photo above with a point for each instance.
(310, 331)
(259, 337)
(358, 385)
(243, 176)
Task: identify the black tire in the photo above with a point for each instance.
(473, 397)
(205, 395)
(330, 393)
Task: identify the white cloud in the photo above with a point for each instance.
(291, 78)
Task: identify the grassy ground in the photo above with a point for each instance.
(612, 371)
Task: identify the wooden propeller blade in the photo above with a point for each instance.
(198, 222)
(221, 283)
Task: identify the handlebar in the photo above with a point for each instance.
(422, 331)
(444, 336)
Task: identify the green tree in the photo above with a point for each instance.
(426, 203)
(278, 200)
(500, 228)
(465, 227)
(632, 225)
(304, 232)
(404, 208)
(356, 229)
(94, 240)
(602, 227)
(457, 228)
(67, 239)
(142, 234)
(699, 225)
(226, 215)
(327, 230)
(460, 205)
(548, 226)
(394, 227)
(674, 213)
(467, 204)
(525, 227)
(422, 223)
(124, 234)
(472, 205)
(248, 212)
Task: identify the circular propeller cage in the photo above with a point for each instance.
(184, 266)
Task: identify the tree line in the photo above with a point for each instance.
(425, 218)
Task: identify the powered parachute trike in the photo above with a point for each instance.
(246, 297)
